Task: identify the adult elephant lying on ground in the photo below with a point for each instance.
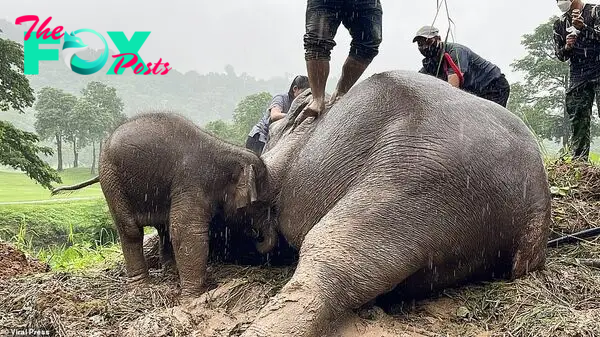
(405, 183)
(161, 170)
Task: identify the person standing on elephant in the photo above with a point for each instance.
(577, 40)
(363, 19)
(278, 108)
(461, 67)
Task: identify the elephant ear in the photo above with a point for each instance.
(245, 189)
(298, 104)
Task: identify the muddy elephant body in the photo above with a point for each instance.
(161, 170)
(406, 183)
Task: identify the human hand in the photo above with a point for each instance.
(571, 39)
(577, 20)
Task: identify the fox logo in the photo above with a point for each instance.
(74, 44)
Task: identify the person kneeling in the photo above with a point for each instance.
(278, 108)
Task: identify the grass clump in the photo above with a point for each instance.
(44, 225)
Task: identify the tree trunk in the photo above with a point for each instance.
(75, 161)
(93, 157)
(59, 152)
(100, 152)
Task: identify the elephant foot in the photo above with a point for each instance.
(169, 268)
(370, 312)
(189, 296)
(138, 280)
(193, 290)
(297, 310)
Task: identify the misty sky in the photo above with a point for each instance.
(264, 37)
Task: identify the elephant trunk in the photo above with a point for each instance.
(270, 238)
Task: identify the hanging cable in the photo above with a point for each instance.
(449, 32)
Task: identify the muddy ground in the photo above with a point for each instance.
(562, 300)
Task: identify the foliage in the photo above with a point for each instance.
(53, 108)
(105, 107)
(87, 122)
(81, 120)
(247, 113)
(540, 101)
(81, 256)
(16, 92)
(19, 149)
(250, 110)
(533, 113)
(77, 253)
(222, 129)
(52, 224)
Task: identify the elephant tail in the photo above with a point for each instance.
(86, 183)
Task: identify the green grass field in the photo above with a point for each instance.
(18, 187)
(29, 214)
(46, 224)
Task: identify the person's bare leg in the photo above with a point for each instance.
(318, 72)
(351, 72)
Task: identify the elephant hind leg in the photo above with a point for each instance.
(531, 246)
(130, 232)
(346, 260)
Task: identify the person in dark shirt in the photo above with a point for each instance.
(461, 67)
(577, 40)
(277, 109)
(363, 19)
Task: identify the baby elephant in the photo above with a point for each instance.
(161, 170)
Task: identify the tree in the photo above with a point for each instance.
(229, 70)
(19, 149)
(533, 112)
(248, 112)
(90, 124)
(53, 117)
(222, 130)
(546, 80)
(102, 111)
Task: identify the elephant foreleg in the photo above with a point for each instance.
(189, 223)
(346, 260)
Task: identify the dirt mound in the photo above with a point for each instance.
(13, 262)
(559, 301)
(576, 190)
(101, 304)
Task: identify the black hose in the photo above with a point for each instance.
(570, 238)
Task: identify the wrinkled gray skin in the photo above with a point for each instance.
(161, 170)
(406, 182)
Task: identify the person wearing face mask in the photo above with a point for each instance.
(577, 40)
(461, 67)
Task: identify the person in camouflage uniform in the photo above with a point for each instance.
(577, 40)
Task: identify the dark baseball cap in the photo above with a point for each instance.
(426, 32)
